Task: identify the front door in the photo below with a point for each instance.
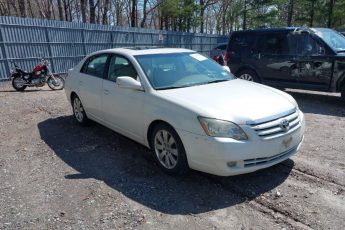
(123, 108)
(315, 63)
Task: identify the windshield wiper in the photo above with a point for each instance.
(173, 87)
(218, 80)
(341, 51)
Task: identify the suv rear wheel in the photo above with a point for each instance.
(248, 75)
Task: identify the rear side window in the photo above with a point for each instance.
(274, 43)
(239, 41)
(95, 65)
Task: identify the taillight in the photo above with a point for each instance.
(226, 57)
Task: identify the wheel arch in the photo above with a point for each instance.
(151, 127)
(248, 67)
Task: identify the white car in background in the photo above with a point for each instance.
(192, 112)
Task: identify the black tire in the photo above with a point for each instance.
(15, 84)
(56, 86)
(79, 114)
(249, 75)
(181, 166)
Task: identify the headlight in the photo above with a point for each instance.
(220, 128)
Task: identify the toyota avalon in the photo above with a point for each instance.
(189, 110)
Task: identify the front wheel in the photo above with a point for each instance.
(169, 151)
(18, 83)
(56, 83)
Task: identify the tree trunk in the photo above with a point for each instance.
(118, 10)
(83, 10)
(22, 8)
(290, 13)
(133, 13)
(60, 9)
(105, 12)
(92, 12)
(65, 7)
(312, 9)
(142, 24)
(330, 13)
(202, 11)
(244, 15)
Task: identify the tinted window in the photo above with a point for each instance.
(120, 67)
(273, 44)
(241, 40)
(95, 65)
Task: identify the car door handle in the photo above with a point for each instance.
(106, 92)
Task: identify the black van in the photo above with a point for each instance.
(304, 58)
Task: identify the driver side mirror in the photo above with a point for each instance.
(129, 83)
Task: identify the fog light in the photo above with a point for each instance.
(232, 164)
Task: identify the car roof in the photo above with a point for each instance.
(281, 29)
(145, 50)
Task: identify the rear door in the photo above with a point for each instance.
(240, 50)
(274, 59)
(90, 84)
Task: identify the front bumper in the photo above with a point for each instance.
(227, 157)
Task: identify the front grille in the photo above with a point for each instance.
(272, 128)
(265, 160)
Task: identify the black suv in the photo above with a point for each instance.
(304, 58)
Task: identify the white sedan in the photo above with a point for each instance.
(191, 111)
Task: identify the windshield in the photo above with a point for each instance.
(332, 38)
(177, 70)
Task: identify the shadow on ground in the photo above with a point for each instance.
(97, 152)
(311, 102)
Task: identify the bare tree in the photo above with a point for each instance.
(22, 8)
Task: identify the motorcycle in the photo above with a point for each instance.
(39, 76)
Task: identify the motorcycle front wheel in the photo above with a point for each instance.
(18, 83)
(56, 84)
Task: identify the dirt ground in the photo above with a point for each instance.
(57, 175)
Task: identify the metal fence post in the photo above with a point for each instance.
(83, 40)
(49, 49)
(3, 51)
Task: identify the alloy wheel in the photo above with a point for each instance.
(166, 149)
(246, 77)
(78, 110)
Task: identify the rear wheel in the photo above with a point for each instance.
(169, 151)
(18, 83)
(78, 111)
(248, 75)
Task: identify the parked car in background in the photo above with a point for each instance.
(305, 58)
(187, 108)
(218, 52)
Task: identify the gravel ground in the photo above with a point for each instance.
(57, 175)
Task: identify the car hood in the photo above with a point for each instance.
(237, 100)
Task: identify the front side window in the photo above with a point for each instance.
(177, 70)
(95, 65)
(335, 40)
(274, 43)
(121, 67)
